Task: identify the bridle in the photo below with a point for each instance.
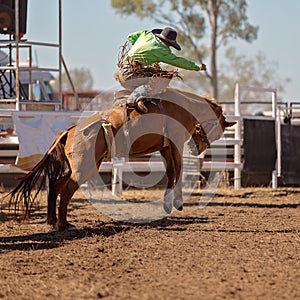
(201, 132)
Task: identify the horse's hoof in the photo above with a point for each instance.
(168, 207)
(180, 208)
(65, 227)
(178, 205)
(71, 227)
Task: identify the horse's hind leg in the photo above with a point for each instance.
(65, 196)
(70, 187)
(53, 192)
(51, 209)
(178, 201)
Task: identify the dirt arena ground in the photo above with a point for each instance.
(244, 244)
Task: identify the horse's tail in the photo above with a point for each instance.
(52, 166)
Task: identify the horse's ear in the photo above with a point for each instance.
(229, 124)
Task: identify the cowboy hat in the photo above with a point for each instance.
(168, 35)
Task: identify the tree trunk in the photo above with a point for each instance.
(213, 19)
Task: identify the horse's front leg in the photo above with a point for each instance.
(177, 158)
(170, 172)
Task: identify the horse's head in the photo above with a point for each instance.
(208, 131)
(198, 142)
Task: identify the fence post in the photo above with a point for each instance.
(237, 136)
(276, 116)
(117, 176)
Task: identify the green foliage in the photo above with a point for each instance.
(234, 22)
(81, 77)
(141, 8)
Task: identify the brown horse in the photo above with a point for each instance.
(76, 153)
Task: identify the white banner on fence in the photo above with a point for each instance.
(35, 137)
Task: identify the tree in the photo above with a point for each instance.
(257, 71)
(250, 71)
(81, 77)
(220, 20)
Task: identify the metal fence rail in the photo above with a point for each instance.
(237, 142)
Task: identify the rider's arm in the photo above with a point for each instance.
(132, 38)
(165, 55)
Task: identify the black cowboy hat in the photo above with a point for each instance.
(168, 35)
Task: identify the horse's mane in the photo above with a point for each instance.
(214, 105)
(210, 100)
(195, 99)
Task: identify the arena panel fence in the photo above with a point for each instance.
(237, 142)
(287, 143)
(239, 127)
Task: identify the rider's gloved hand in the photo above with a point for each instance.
(202, 67)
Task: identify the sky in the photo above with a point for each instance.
(93, 33)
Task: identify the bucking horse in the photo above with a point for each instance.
(76, 153)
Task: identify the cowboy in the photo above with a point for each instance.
(148, 48)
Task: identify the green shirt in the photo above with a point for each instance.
(148, 49)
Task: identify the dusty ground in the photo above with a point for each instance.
(244, 245)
